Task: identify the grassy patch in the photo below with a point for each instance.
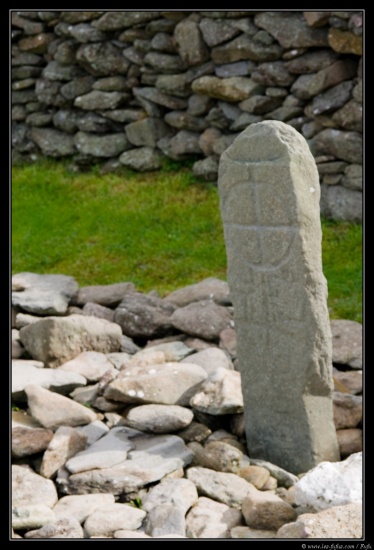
(159, 230)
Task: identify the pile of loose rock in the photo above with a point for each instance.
(127, 421)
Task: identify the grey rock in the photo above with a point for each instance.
(111, 84)
(77, 16)
(29, 441)
(273, 73)
(245, 47)
(43, 294)
(285, 114)
(143, 316)
(146, 132)
(221, 392)
(30, 516)
(204, 319)
(66, 120)
(307, 86)
(227, 488)
(180, 146)
(215, 32)
(101, 59)
(174, 84)
(39, 119)
(77, 87)
(25, 58)
(23, 96)
(244, 120)
(352, 178)
(63, 528)
(56, 71)
(100, 100)
(260, 104)
(163, 42)
(185, 121)
(96, 310)
(311, 62)
(124, 115)
(332, 167)
(340, 203)
(238, 68)
(332, 99)
(109, 145)
(84, 32)
(336, 522)
(164, 99)
(46, 339)
(153, 458)
(93, 431)
(207, 289)
(21, 138)
(158, 419)
(142, 159)
(189, 43)
(25, 372)
(109, 451)
(211, 519)
(349, 116)
(105, 295)
(157, 384)
(92, 122)
(23, 84)
(199, 105)
(111, 21)
(206, 168)
(210, 359)
(291, 30)
(105, 520)
(164, 62)
(53, 143)
(48, 93)
(241, 222)
(81, 506)
(29, 488)
(53, 410)
(64, 51)
(242, 532)
(351, 380)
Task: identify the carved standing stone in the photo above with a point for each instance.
(269, 193)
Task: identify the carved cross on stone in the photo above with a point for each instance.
(269, 196)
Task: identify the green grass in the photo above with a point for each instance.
(159, 230)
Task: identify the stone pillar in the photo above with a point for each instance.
(269, 196)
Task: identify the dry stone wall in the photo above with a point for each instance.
(126, 88)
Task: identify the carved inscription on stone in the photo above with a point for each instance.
(269, 194)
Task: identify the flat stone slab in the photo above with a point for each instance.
(159, 419)
(81, 506)
(43, 294)
(29, 488)
(269, 197)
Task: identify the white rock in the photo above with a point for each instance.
(81, 506)
(26, 372)
(106, 520)
(90, 364)
(220, 393)
(211, 519)
(165, 519)
(181, 493)
(339, 522)
(31, 516)
(63, 528)
(30, 488)
(159, 418)
(331, 484)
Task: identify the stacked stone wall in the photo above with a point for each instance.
(125, 88)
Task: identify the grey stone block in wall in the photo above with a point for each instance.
(269, 193)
